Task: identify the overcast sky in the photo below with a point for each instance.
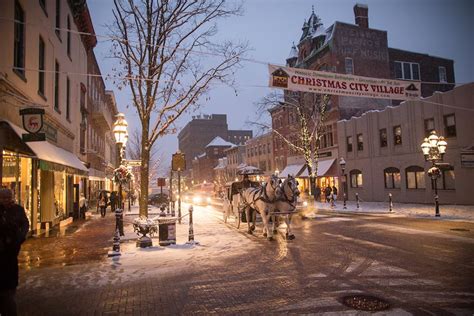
(441, 28)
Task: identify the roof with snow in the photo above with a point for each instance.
(219, 142)
(293, 52)
(313, 28)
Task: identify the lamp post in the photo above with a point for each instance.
(342, 163)
(434, 148)
(121, 137)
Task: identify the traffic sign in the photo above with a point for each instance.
(161, 182)
(178, 163)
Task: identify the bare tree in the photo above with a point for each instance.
(309, 113)
(134, 152)
(165, 53)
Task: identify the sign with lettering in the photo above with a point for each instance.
(305, 80)
(133, 163)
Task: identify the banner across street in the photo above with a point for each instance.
(304, 80)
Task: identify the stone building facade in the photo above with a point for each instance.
(385, 156)
(43, 64)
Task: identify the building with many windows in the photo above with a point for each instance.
(383, 154)
(259, 153)
(354, 49)
(43, 65)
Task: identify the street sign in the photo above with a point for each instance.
(133, 163)
(161, 182)
(178, 163)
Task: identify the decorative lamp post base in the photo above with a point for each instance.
(144, 242)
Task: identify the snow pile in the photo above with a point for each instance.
(451, 212)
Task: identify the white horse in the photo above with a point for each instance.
(261, 199)
(285, 205)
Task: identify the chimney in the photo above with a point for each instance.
(361, 13)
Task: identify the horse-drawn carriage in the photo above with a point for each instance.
(271, 199)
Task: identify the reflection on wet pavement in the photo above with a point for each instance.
(81, 242)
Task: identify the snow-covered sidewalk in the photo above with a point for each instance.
(447, 212)
(214, 240)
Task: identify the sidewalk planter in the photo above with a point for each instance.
(144, 226)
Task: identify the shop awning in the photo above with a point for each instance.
(51, 154)
(293, 170)
(323, 168)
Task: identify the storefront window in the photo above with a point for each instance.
(16, 171)
(59, 193)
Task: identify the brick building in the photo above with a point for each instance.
(203, 165)
(202, 129)
(353, 49)
(259, 153)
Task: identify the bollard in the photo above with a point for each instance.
(116, 245)
(191, 230)
(345, 198)
(119, 221)
(390, 203)
(357, 200)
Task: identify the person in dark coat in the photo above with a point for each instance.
(317, 194)
(13, 229)
(113, 201)
(334, 192)
(327, 193)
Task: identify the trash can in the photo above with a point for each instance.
(167, 231)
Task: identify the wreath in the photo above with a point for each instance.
(122, 175)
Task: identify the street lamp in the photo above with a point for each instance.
(434, 148)
(342, 163)
(121, 138)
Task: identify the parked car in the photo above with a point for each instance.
(157, 199)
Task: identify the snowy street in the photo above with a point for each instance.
(418, 265)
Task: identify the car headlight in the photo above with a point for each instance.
(208, 200)
(197, 199)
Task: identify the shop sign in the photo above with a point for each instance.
(133, 163)
(467, 160)
(33, 123)
(305, 80)
(51, 132)
(178, 162)
(323, 155)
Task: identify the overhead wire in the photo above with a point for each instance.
(108, 76)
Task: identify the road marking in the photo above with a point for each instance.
(362, 242)
(414, 231)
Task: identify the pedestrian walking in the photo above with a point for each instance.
(113, 201)
(82, 206)
(334, 192)
(317, 194)
(103, 205)
(13, 229)
(327, 194)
